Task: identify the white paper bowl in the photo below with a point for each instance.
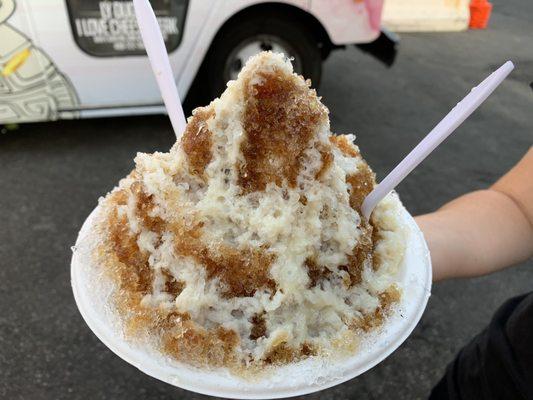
(92, 292)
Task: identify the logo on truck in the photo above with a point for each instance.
(105, 28)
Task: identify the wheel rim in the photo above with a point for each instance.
(253, 45)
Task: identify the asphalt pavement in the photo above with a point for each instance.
(52, 174)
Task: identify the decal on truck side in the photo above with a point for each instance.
(31, 87)
(108, 28)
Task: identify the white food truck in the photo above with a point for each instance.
(85, 58)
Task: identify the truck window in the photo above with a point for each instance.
(105, 28)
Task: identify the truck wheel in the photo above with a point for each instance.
(238, 42)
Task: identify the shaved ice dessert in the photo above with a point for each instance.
(244, 245)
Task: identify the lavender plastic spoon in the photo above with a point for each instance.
(157, 54)
(444, 128)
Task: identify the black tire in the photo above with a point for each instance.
(289, 32)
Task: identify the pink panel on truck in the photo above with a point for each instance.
(349, 21)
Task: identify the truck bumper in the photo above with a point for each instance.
(384, 48)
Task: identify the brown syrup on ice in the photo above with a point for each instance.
(283, 354)
(187, 341)
(241, 272)
(372, 320)
(258, 327)
(315, 272)
(362, 183)
(144, 204)
(197, 140)
(327, 159)
(280, 119)
(344, 145)
(172, 285)
(135, 273)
